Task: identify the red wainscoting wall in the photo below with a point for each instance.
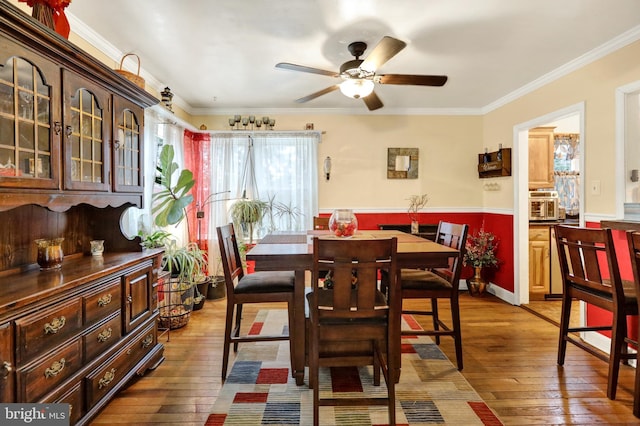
(499, 224)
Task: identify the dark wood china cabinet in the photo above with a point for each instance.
(71, 164)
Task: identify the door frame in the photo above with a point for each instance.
(521, 192)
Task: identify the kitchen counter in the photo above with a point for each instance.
(621, 225)
(568, 222)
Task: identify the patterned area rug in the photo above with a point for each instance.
(259, 390)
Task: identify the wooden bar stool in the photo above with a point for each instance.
(590, 273)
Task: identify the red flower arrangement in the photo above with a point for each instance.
(51, 13)
(481, 250)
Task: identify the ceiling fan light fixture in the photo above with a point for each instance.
(356, 88)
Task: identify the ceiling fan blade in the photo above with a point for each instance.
(302, 68)
(385, 50)
(415, 80)
(372, 101)
(318, 93)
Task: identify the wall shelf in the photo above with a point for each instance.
(495, 167)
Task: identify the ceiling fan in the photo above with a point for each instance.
(359, 76)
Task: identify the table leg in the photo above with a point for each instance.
(299, 328)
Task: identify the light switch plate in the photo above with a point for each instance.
(595, 187)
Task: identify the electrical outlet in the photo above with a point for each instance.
(595, 187)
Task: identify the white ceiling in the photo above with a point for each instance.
(219, 56)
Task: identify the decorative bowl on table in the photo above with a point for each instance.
(343, 223)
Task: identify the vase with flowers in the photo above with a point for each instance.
(480, 252)
(51, 14)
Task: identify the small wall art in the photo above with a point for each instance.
(402, 163)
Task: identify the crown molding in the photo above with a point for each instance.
(605, 49)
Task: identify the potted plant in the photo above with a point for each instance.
(277, 210)
(246, 213)
(156, 239)
(480, 252)
(416, 202)
(186, 264)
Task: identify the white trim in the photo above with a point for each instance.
(503, 294)
(520, 161)
(621, 113)
(609, 47)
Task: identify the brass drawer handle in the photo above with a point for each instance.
(6, 366)
(105, 335)
(147, 341)
(105, 300)
(107, 378)
(54, 326)
(55, 368)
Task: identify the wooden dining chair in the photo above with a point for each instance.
(349, 323)
(437, 284)
(590, 273)
(258, 287)
(633, 238)
(320, 223)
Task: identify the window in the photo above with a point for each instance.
(284, 171)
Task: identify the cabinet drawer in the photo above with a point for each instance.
(101, 304)
(45, 373)
(72, 395)
(101, 338)
(42, 330)
(112, 372)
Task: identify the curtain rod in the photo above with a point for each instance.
(263, 132)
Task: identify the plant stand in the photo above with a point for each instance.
(175, 302)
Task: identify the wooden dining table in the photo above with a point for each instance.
(293, 251)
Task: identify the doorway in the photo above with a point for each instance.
(575, 114)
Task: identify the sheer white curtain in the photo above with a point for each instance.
(286, 170)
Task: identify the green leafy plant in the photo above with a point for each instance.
(169, 203)
(187, 264)
(156, 239)
(480, 250)
(246, 213)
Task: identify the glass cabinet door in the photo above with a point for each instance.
(86, 132)
(28, 154)
(127, 146)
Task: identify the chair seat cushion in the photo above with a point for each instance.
(629, 294)
(422, 280)
(266, 282)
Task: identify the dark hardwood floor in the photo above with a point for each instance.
(509, 358)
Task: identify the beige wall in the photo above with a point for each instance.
(357, 145)
(595, 85)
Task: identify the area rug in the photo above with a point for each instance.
(259, 390)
